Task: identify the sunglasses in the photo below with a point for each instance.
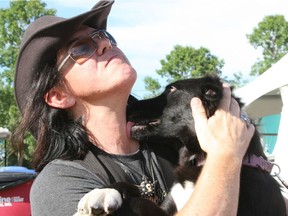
(81, 50)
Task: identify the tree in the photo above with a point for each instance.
(13, 22)
(182, 63)
(238, 80)
(271, 35)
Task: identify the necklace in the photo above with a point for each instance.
(141, 173)
(146, 186)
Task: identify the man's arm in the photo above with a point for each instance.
(217, 190)
(225, 138)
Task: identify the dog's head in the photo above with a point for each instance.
(169, 114)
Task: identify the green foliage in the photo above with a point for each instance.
(9, 116)
(187, 62)
(183, 63)
(13, 22)
(271, 35)
(152, 85)
(238, 80)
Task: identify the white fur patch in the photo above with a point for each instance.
(181, 194)
(105, 199)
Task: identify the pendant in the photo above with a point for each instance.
(147, 188)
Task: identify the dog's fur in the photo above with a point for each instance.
(169, 115)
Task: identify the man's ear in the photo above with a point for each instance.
(59, 98)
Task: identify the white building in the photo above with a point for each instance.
(268, 95)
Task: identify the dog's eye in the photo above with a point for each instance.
(210, 93)
(173, 88)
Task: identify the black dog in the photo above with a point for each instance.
(169, 115)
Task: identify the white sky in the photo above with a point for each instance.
(147, 30)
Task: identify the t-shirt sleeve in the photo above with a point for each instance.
(59, 187)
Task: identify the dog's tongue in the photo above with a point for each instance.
(129, 125)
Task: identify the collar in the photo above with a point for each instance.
(249, 160)
(258, 162)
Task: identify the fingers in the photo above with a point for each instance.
(234, 108)
(198, 112)
(226, 100)
(245, 118)
(251, 130)
(228, 103)
(224, 128)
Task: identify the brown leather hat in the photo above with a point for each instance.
(44, 37)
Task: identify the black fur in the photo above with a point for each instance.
(169, 115)
(133, 204)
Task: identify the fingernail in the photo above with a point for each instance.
(195, 102)
(226, 85)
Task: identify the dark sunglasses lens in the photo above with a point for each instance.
(82, 50)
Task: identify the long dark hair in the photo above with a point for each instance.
(57, 135)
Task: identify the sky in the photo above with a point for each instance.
(148, 30)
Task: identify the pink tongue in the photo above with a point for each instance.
(128, 128)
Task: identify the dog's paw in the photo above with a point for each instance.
(99, 202)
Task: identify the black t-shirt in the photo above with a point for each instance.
(61, 184)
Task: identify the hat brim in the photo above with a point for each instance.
(42, 40)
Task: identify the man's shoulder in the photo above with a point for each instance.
(88, 166)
